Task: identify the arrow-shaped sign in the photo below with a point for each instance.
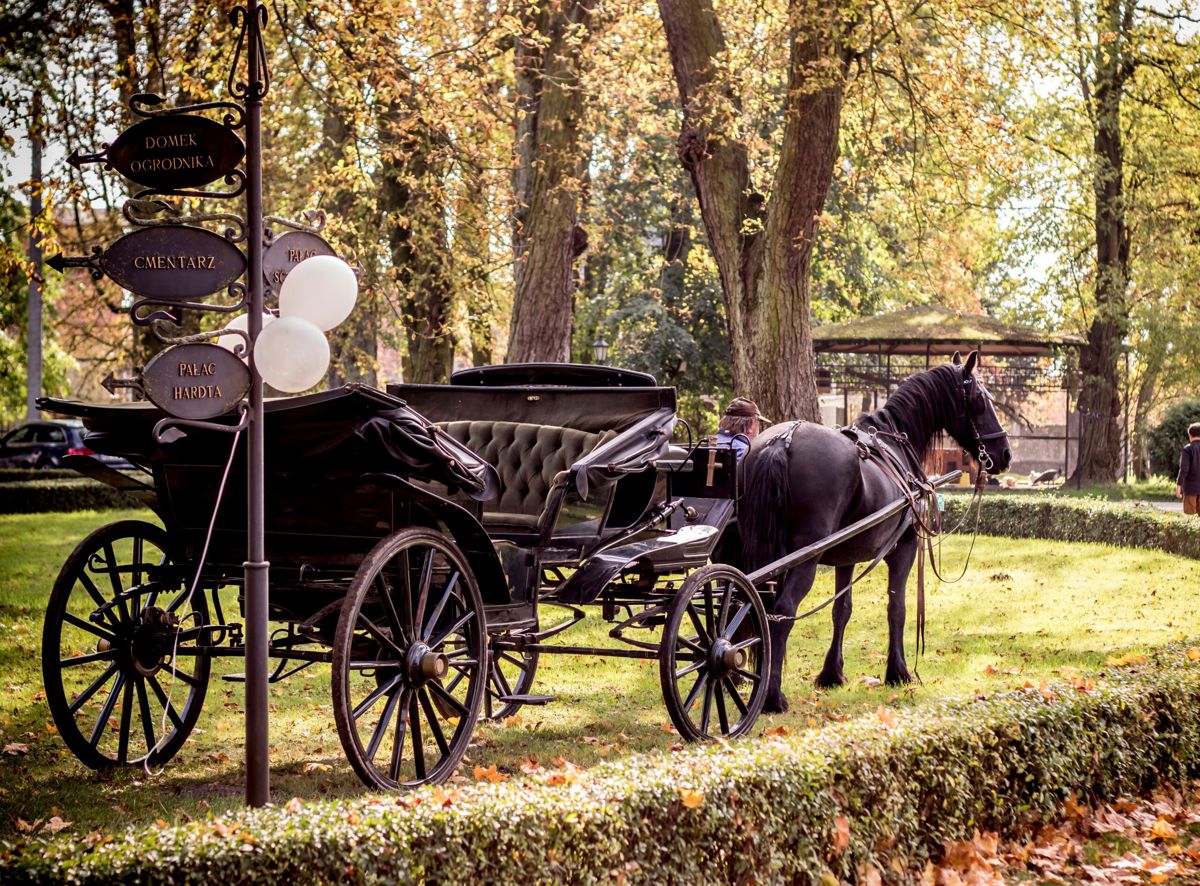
(61, 262)
(111, 384)
(77, 159)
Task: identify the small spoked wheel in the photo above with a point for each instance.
(123, 661)
(409, 661)
(714, 654)
(510, 673)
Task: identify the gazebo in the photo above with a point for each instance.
(874, 354)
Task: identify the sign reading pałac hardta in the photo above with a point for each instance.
(172, 151)
(195, 381)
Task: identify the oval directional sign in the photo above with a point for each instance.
(195, 381)
(288, 251)
(176, 151)
(173, 262)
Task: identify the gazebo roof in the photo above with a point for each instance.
(937, 331)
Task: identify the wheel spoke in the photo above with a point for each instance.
(519, 662)
(747, 643)
(434, 726)
(389, 606)
(123, 735)
(106, 711)
(136, 576)
(737, 698)
(377, 693)
(186, 678)
(147, 717)
(114, 577)
(500, 681)
(749, 675)
(702, 634)
(165, 701)
(89, 627)
(398, 737)
(706, 710)
(737, 621)
(431, 622)
(379, 635)
(722, 717)
(98, 599)
(454, 628)
(726, 602)
(86, 659)
(697, 688)
(426, 580)
(414, 719)
(381, 727)
(83, 697)
(693, 667)
(438, 690)
(406, 595)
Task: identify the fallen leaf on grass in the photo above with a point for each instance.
(294, 804)
(1162, 831)
(691, 799)
(491, 774)
(841, 834)
(56, 824)
(887, 717)
(316, 767)
(1125, 660)
(15, 749)
(772, 731)
(1193, 654)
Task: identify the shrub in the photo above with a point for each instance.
(74, 494)
(1059, 518)
(18, 475)
(760, 811)
(1170, 435)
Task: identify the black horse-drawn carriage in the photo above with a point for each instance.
(417, 539)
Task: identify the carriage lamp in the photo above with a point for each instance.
(600, 350)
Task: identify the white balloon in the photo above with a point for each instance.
(321, 290)
(291, 354)
(242, 322)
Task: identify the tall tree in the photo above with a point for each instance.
(763, 245)
(549, 166)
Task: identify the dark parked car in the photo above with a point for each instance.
(42, 444)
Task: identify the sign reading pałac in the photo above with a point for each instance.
(195, 381)
(173, 262)
(287, 251)
(176, 151)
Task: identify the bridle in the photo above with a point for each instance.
(984, 457)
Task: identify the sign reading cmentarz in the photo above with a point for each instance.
(173, 262)
(195, 381)
(176, 151)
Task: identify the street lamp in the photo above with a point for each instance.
(600, 350)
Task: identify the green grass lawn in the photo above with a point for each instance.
(1025, 610)
(1156, 488)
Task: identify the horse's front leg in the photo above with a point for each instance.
(899, 564)
(793, 589)
(832, 675)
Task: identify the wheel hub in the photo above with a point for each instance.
(152, 641)
(425, 664)
(725, 657)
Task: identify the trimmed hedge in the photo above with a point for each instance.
(758, 811)
(1125, 524)
(73, 494)
(18, 475)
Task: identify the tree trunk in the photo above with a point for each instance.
(763, 249)
(546, 235)
(410, 194)
(1100, 393)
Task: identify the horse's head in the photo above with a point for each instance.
(977, 429)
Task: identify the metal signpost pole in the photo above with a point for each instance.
(33, 382)
(257, 767)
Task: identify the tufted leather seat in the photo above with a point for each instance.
(529, 458)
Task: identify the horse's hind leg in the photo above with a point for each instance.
(793, 589)
(831, 675)
(899, 564)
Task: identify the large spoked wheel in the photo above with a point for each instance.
(714, 654)
(510, 673)
(123, 663)
(409, 661)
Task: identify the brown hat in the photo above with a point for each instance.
(743, 408)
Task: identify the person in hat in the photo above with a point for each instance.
(740, 424)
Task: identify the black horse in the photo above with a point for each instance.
(803, 482)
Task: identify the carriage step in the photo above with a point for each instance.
(234, 678)
(527, 699)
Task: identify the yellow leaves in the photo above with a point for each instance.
(316, 767)
(1193, 654)
(1077, 680)
(776, 731)
(1125, 661)
(567, 772)
(1162, 831)
(294, 804)
(886, 716)
(491, 774)
(444, 797)
(353, 818)
(691, 799)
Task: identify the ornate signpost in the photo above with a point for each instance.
(176, 264)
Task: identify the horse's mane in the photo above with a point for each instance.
(921, 407)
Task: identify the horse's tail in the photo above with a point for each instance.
(762, 512)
